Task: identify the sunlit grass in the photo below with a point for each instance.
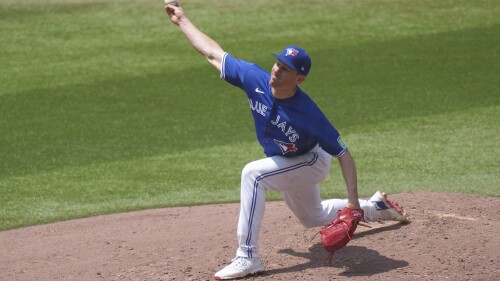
(104, 107)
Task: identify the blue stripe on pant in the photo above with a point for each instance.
(255, 194)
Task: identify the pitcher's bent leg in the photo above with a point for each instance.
(336, 205)
(312, 212)
(272, 173)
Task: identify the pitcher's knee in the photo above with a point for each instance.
(250, 171)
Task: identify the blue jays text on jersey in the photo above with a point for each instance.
(287, 127)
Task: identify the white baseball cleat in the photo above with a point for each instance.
(387, 209)
(240, 267)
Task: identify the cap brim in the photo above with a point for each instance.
(284, 60)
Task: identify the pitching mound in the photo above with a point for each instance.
(452, 237)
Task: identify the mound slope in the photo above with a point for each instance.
(452, 237)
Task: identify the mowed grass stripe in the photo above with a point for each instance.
(140, 116)
(105, 108)
(454, 152)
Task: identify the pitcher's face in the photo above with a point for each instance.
(284, 76)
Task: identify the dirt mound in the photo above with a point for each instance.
(452, 237)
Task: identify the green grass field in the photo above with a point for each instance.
(105, 108)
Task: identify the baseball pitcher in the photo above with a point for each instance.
(299, 143)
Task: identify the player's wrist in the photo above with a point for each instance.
(183, 21)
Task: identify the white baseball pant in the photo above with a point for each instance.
(297, 179)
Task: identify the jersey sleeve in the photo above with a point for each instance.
(234, 70)
(328, 137)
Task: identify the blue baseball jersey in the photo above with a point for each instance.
(286, 127)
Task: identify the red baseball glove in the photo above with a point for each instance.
(340, 231)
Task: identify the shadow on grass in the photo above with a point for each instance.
(136, 117)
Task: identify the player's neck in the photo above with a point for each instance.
(283, 93)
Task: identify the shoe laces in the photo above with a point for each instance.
(238, 261)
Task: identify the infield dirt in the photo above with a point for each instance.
(451, 237)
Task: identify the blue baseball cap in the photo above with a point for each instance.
(296, 58)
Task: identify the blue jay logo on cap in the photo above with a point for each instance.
(296, 58)
(291, 52)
